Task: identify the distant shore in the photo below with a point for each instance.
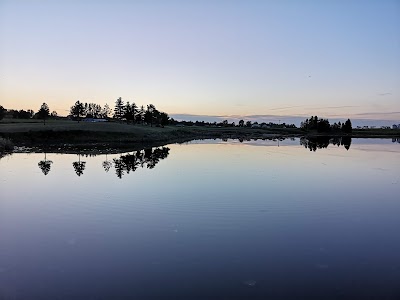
(64, 135)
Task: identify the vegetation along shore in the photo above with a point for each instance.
(92, 126)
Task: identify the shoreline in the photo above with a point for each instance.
(104, 137)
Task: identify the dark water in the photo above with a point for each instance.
(206, 220)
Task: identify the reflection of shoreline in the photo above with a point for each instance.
(104, 149)
(125, 164)
(131, 162)
(323, 142)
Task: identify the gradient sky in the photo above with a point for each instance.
(332, 58)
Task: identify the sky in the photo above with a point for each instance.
(204, 59)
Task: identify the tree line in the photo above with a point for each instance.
(43, 113)
(128, 112)
(133, 114)
(322, 125)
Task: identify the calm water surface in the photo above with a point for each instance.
(205, 220)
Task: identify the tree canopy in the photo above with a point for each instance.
(44, 112)
(323, 126)
(77, 110)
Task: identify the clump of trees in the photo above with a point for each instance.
(21, 114)
(323, 126)
(43, 113)
(131, 113)
(89, 110)
(123, 112)
(27, 114)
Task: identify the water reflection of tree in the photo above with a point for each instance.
(107, 164)
(79, 166)
(346, 142)
(130, 162)
(314, 143)
(45, 165)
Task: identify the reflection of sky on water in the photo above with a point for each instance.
(215, 220)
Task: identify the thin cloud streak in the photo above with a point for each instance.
(311, 107)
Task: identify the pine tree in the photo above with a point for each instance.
(119, 109)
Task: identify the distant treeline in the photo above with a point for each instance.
(225, 123)
(26, 114)
(323, 125)
(131, 113)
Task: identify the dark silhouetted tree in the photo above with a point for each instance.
(163, 118)
(149, 114)
(134, 109)
(106, 111)
(77, 110)
(119, 109)
(2, 112)
(241, 123)
(44, 112)
(347, 127)
(130, 112)
(140, 115)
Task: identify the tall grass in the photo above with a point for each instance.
(6, 145)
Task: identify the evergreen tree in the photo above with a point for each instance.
(140, 115)
(129, 115)
(149, 114)
(106, 111)
(347, 127)
(134, 110)
(119, 110)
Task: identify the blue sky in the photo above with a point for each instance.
(337, 59)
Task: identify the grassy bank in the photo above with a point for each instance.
(70, 134)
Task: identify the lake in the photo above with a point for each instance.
(204, 220)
